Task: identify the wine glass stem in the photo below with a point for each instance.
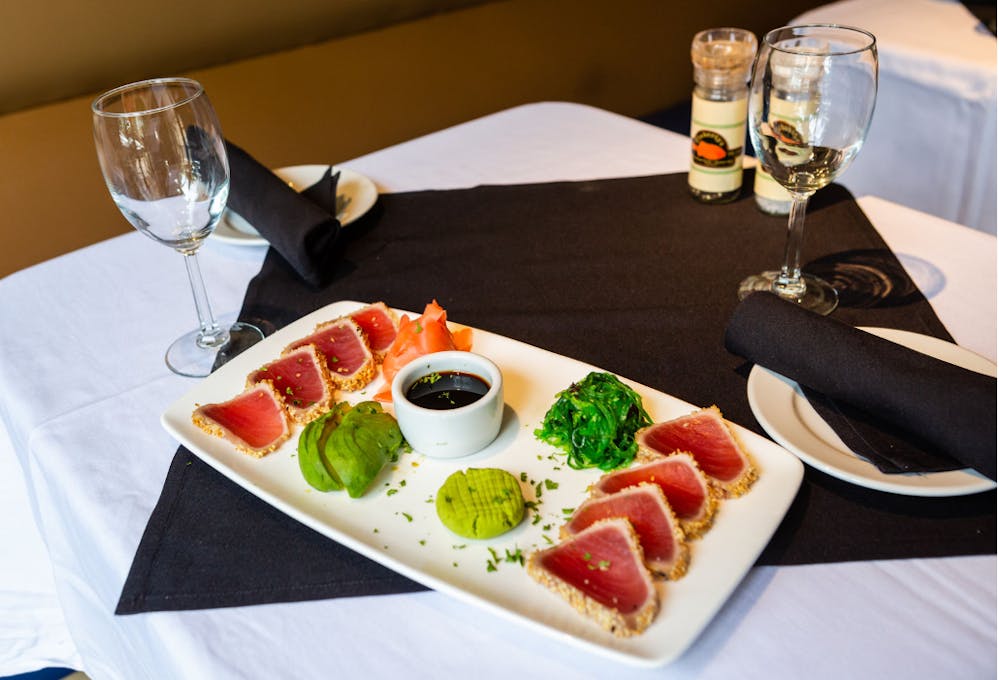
(210, 334)
(789, 282)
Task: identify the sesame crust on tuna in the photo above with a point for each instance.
(609, 619)
(741, 484)
(696, 527)
(683, 559)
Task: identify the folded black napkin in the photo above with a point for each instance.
(901, 409)
(303, 228)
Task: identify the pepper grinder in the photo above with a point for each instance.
(721, 58)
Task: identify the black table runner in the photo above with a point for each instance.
(628, 274)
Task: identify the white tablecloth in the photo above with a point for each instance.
(84, 384)
(933, 140)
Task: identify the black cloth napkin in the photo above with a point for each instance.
(303, 228)
(873, 389)
(631, 275)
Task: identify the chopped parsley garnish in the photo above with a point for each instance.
(429, 379)
(516, 556)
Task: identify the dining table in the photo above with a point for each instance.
(85, 458)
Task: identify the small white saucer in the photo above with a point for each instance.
(785, 413)
(355, 189)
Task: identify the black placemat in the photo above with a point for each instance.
(627, 274)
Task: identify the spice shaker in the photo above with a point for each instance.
(721, 58)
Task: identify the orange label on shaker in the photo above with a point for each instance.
(717, 133)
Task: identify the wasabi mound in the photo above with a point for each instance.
(480, 502)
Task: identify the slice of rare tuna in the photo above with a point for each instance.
(302, 380)
(345, 347)
(709, 438)
(380, 326)
(600, 572)
(254, 421)
(691, 497)
(664, 549)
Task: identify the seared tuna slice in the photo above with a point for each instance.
(254, 421)
(302, 380)
(691, 497)
(707, 437)
(379, 324)
(600, 572)
(664, 550)
(345, 347)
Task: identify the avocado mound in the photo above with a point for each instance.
(480, 502)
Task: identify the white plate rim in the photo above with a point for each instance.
(720, 559)
(784, 412)
(233, 230)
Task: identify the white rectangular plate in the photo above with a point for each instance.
(395, 522)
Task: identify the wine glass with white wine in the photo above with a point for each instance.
(164, 161)
(812, 95)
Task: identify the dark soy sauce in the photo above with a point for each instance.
(444, 390)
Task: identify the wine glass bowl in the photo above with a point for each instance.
(812, 95)
(163, 157)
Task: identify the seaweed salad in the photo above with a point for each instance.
(594, 422)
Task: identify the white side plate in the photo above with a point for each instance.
(784, 412)
(357, 191)
(395, 522)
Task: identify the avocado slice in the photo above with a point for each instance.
(359, 448)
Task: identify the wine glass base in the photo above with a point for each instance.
(819, 296)
(186, 357)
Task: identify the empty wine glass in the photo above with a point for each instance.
(812, 95)
(162, 154)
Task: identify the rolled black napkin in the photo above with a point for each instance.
(303, 228)
(866, 378)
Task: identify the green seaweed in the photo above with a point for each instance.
(594, 422)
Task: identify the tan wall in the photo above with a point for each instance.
(57, 49)
(345, 97)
